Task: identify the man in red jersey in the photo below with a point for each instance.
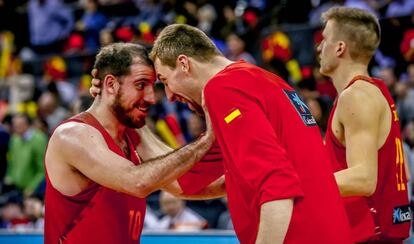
(96, 182)
(278, 180)
(363, 136)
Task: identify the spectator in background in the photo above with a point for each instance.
(407, 45)
(400, 93)
(230, 21)
(177, 216)
(322, 6)
(236, 49)
(387, 74)
(409, 139)
(91, 23)
(13, 216)
(22, 88)
(106, 37)
(224, 221)
(150, 12)
(50, 110)
(323, 85)
(397, 8)
(55, 76)
(150, 220)
(33, 210)
(404, 91)
(81, 104)
(41, 124)
(27, 148)
(4, 147)
(206, 16)
(367, 5)
(50, 22)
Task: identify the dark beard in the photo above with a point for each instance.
(121, 113)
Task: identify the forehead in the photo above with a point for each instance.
(140, 70)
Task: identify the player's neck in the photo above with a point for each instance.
(204, 71)
(345, 73)
(107, 119)
(210, 69)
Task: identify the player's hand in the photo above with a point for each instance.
(209, 128)
(95, 89)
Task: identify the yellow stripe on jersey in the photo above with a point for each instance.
(229, 118)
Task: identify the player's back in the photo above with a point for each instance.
(319, 216)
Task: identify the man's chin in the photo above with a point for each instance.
(134, 123)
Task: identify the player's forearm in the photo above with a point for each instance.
(150, 146)
(155, 173)
(214, 190)
(355, 181)
(274, 221)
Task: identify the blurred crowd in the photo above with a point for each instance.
(47, 50)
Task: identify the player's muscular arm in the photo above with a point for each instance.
(274, 221)
(359, 112)
(83, 147)
(150, 146)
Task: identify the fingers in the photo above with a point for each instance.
(209, 127)
(94, 73)
(96, 82)
(95, 89)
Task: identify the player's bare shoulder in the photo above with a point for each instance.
(70, 134)
(68, 142)
(362, 98)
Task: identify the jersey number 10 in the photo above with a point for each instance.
(134, 224)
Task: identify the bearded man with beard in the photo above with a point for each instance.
(96, 180)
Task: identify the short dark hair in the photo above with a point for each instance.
(117, 58)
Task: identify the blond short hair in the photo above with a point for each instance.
(178, 39)
(359, 28)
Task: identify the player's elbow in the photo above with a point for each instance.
(368, 186)
(136, 188)
(143, 188)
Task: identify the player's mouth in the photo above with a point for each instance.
(143, 109)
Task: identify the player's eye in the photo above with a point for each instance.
(140, 86)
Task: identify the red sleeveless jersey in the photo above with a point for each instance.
(385, 215)
(97, 214)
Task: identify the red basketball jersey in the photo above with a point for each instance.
(97, 214)
(385, 215)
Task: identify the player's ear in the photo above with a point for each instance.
(110, 84)
(183, 63)
(341, 48)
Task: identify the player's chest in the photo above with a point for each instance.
(124, 147)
